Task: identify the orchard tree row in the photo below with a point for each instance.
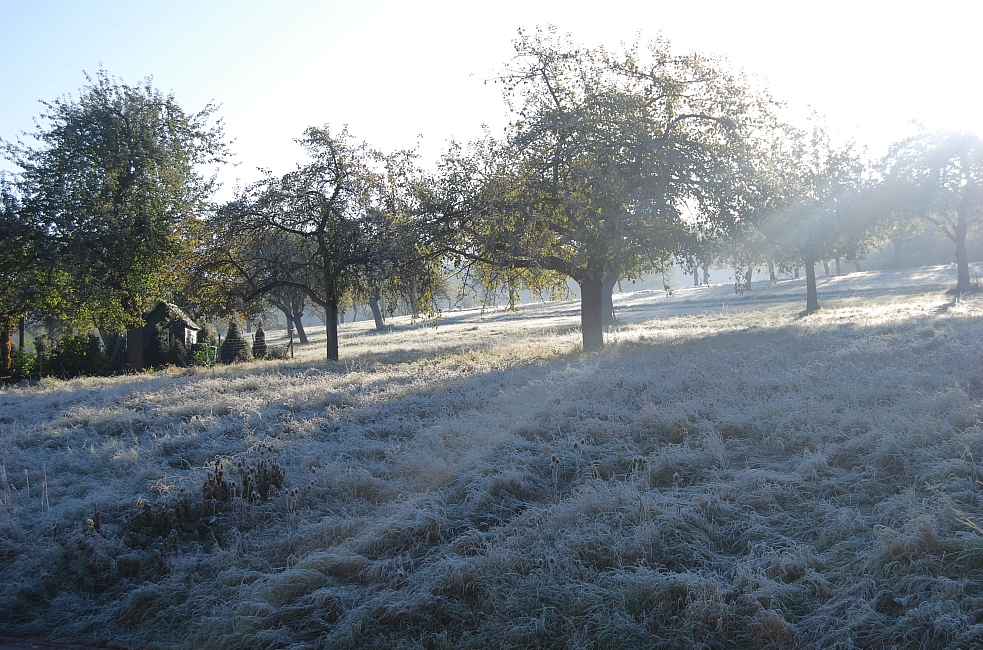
(614, 164)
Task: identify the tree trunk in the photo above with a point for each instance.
(380, 324)
(796, 272)
(134, 348)
(837, 266)
(6, 346)
(772, 276)
(826, 267)
(299, 326)
(607, 298)
(962, 259)
(748, 276)
(331, 328)
(706, 275)
(591, 320)
(856, 265)
(696, 276)
(812, 296)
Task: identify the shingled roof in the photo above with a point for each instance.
(173, 312)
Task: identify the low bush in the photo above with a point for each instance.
(22, 364)
(76, 355)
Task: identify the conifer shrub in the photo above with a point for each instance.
(259, 343)
(179, 353)
(235, 349)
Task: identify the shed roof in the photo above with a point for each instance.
(173, 312)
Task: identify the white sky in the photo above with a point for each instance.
(394, 70)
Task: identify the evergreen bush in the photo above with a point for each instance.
(234, 348)
(259, 343)
(207, 336)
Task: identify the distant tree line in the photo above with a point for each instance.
(616, 164)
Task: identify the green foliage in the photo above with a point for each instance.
(235, 348)
(207, 336)
(611, 161)
(937, 177)
(78, 354)
(117, 358)
(259, 343)
(22, 363)
(203, 353)
(116, 179)
(27, 278)
(158, 350)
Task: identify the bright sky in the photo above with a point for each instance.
(395, 70)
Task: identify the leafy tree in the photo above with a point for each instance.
(28, 275)
(116, 175)
(610, 161)
(249, 266)
(938, 176)
(292, 302)
(815, 207)
(328, 228)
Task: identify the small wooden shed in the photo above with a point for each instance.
(178, 326)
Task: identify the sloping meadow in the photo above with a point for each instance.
(737, 479)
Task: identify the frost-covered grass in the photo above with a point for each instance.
(725, 473)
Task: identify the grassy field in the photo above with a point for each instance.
(725, 473)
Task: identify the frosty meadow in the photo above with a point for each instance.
(725, 473)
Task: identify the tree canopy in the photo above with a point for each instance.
(337, 225)
(938, 176)
(116, 175)
(814, 206)
(611, 160)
